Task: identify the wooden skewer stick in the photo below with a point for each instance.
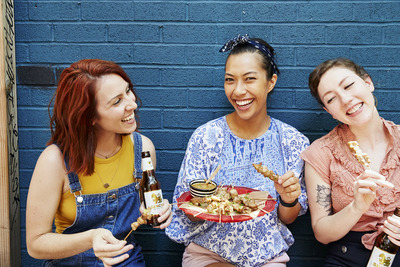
(213, 174)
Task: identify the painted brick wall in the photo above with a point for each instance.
(170, 50)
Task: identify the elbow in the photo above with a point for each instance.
(322, 237)
(33, 251)
(322, 240)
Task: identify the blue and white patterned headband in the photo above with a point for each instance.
(245, 40)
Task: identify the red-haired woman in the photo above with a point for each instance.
(83, 180)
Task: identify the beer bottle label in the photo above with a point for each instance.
(380, 258)
(147, 165)
(154, 201)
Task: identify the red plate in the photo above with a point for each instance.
(185, 197)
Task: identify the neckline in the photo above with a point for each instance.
(271, 125)
(113, 157)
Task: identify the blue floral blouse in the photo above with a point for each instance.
(253, 242)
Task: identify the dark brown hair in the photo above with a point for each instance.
(315, 76)
(266, 64)
(75, 110)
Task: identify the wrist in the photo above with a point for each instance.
(288, 205)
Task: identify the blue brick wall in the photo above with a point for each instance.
(170, 50)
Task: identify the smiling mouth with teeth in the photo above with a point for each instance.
(241, 103)
(130, 117)
(354, 109)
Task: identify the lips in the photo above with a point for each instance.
(129, 118)
(243, 103)
(354, 109)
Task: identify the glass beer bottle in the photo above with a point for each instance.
(384, 250)
(150, 190)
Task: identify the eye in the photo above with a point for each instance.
(348, 86)
(228, 79)
(330, 100)
(117, 101)
(251, 78)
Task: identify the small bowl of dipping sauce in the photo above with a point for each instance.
(199, 188)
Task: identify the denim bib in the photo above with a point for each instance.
(114, 210)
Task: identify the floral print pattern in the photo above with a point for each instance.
(248, 243)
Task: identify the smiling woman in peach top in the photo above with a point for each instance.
(349, 203)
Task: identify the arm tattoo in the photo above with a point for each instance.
(324, 197)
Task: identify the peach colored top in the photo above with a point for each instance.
(333, 160)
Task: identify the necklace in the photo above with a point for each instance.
(107, 185)
(109, 155)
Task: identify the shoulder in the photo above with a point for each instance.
(326, 146)
(50, 167)
(147, 144)
(329, 140)
(214, 127)
(288, 131)
(52, 155)
(393, 128)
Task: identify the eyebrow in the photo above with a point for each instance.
(109, 101)
(247, 73)
(342, 81)
(340, 84)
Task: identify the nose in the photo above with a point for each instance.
(346, 97)
(240, 88)
(131, 105)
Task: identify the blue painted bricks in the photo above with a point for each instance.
(170, 50)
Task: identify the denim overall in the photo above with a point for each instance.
(114, 210)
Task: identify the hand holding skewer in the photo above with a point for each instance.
(364, 159)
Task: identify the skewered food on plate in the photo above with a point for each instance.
(227, 208)
(226, 201)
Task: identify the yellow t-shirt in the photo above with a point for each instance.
(117, 171)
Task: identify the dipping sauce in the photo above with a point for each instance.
(203, 186)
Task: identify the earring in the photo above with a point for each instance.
(375, 100)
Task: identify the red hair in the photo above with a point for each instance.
(75, 110)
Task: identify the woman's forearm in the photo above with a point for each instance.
(331, 228)
(58, 246)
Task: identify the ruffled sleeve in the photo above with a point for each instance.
(319, 157)
(201, 159)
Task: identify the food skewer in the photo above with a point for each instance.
(141, 220)
(364, 159)
(266, 172)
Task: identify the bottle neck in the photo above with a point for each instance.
(147, 165)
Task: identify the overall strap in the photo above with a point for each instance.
(74, 183)
(137, 141)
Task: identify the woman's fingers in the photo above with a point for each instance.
(288, 187)
(392, 228)
(374, 178)
(385, 183)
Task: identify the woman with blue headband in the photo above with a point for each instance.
(236, 141)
